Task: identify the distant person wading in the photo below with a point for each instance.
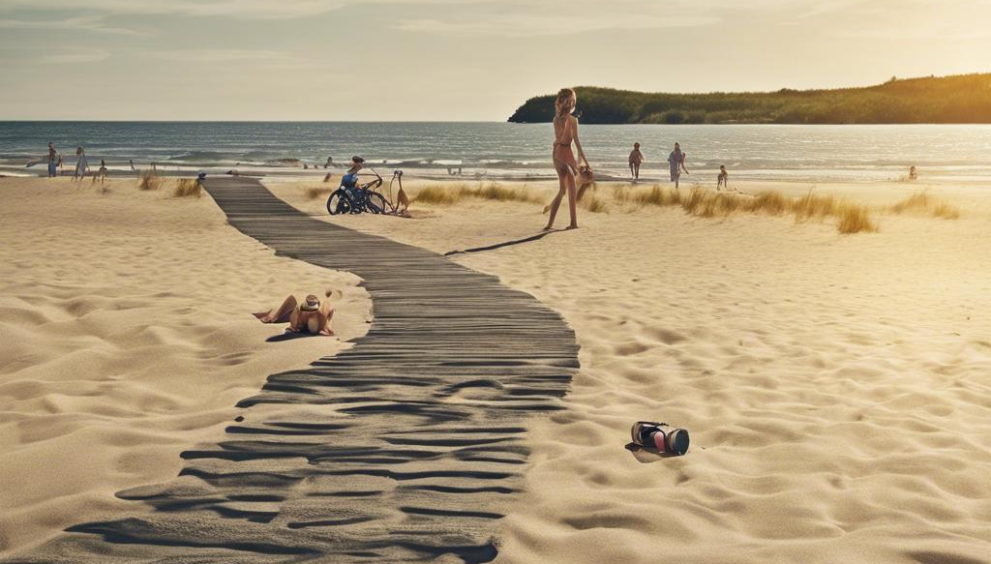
(54, 160)
(676, 160)
(636, 159)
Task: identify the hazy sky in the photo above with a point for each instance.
(451, 59)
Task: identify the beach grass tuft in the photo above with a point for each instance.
(922, 203)
(452, 194)
(149, 180)
(854, 218)
(814, 207)
(187, 188)
(701, 202)
(946, 211)
(318, 193)
(917, 202)
(593, 203)
(769, 202)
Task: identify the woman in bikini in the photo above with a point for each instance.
(311, 316)
(566, 133)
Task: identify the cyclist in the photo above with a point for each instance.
(350, 178)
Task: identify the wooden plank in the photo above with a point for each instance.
(406, 447)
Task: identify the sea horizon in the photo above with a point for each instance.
(506, 151)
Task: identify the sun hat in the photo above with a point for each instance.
(312, 303)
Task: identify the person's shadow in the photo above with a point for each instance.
(291, 335)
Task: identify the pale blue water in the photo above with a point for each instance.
(503, 150)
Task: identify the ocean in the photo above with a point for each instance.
(952, 153)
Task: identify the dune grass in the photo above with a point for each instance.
(318, 193)
(921, 203)
(945, 211)
(149, 180)
(592, 203)
(446, 195)
(187, 188)
(699, 202)
(855, 218)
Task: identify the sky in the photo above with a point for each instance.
(451, 60)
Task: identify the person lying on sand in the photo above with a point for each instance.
(311, 316)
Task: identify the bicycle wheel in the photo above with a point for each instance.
(375, 202)
(338, 203)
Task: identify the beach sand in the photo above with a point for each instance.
(126, 337)
(835, 386)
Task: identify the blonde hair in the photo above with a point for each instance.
(561, 102)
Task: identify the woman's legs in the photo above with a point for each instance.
(562, 171)
(282, 314)
(572, 200)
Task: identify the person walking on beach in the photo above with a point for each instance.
(676, 160)
(566, 133)
(723, 179)
(82, 164)
(636, 159)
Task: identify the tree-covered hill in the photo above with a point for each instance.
(952, 99)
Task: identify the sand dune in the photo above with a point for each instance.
(836, 387)
(126, 336)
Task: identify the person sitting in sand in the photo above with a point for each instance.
(723, 180)
(566, 134)
(310, 317)
(913, 173)
(676, 160)
(82, 164)
(636, 159)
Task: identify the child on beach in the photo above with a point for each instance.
(82, 164)
(101, 174)
(723, 180)
(636, 159)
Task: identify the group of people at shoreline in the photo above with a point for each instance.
(677, 163)
(81, 169)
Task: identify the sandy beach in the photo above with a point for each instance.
(835, 385)
(126, 337)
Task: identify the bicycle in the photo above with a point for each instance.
(357, 199)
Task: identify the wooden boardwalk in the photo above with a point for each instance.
(406, 447)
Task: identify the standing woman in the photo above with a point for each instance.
(82, 164)
(677, 162)
(566, 133)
